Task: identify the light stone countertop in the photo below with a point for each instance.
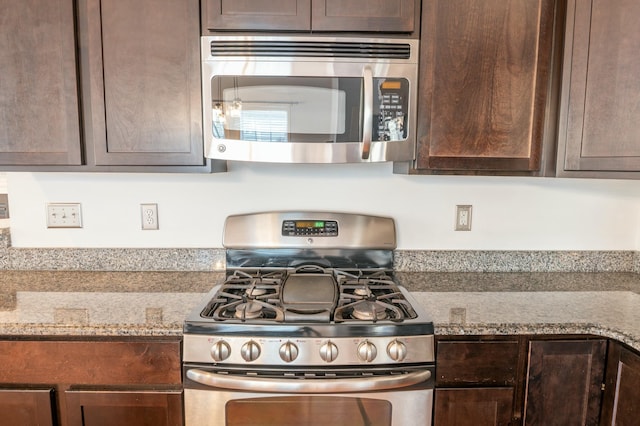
(75, 303)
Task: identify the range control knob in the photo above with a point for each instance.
(328, 351)
(397, 350)
(288, 352)
(367, 351)
(250, 351)
(220, 351)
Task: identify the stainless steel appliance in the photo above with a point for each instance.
(309, 99)
(308, 327)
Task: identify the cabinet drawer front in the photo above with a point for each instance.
(128, 362)
(493, 363)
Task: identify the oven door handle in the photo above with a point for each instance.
(308, 385)
(367, 122)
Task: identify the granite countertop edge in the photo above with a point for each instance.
(533, 329)
(441, 329)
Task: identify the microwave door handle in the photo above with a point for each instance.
(367, 74)
(302, 385)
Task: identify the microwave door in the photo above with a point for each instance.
(283, 113)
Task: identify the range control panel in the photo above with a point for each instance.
(316, 228)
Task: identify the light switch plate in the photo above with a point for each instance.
(64, 215)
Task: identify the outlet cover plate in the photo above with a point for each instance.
(149, 214)
(463, 217)
(64, 215)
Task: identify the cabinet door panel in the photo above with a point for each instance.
(142, 80)
(102, 408)
(364, 15)
(286, 15)
(473, 407)
(621, 405)
(484, 84)
(600, 103)
(39, 117)
(564, 382)
(26, 407)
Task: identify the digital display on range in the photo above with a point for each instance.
(307, 224)
(318, 228)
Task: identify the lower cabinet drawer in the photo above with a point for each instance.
(492, 363)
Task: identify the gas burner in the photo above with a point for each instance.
(248, 310)
(255, 292)
(362, 291)
(367, 310)
(243, 310)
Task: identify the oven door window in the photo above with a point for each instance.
(308, 410)
(287, 109)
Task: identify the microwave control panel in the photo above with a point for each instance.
(392, 109)
(315, 228)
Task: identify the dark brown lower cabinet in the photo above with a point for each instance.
(26, 407)
(91, 382)
(621, 405)
(564, 382)
(473, 406)
(476, 380)
(124, 408)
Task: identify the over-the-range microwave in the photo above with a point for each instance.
(309, 99)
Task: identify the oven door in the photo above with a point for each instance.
(260, 104)
(217, 399)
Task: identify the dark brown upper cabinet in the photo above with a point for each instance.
(600, 112)
(283, 15)
(140, 67)
(39, 117)
(485, 86)
(390, 16)
(91, 85)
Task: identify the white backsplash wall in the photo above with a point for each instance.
(509, 213)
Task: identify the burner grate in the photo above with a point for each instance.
(371, 297)
(247, 296)
(257, 295)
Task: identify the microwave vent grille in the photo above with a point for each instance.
(313, 49)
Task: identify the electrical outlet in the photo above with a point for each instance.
(463, 218)
(149, 216)
(64, 215)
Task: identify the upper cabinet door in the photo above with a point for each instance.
(39, 118)
(365, 15)
(283, 15)
(141, 81)
(485, 68)
(600, 111)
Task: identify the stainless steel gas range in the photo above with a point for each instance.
(308, 327)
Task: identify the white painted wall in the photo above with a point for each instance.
(509, 213)
(3, 183)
